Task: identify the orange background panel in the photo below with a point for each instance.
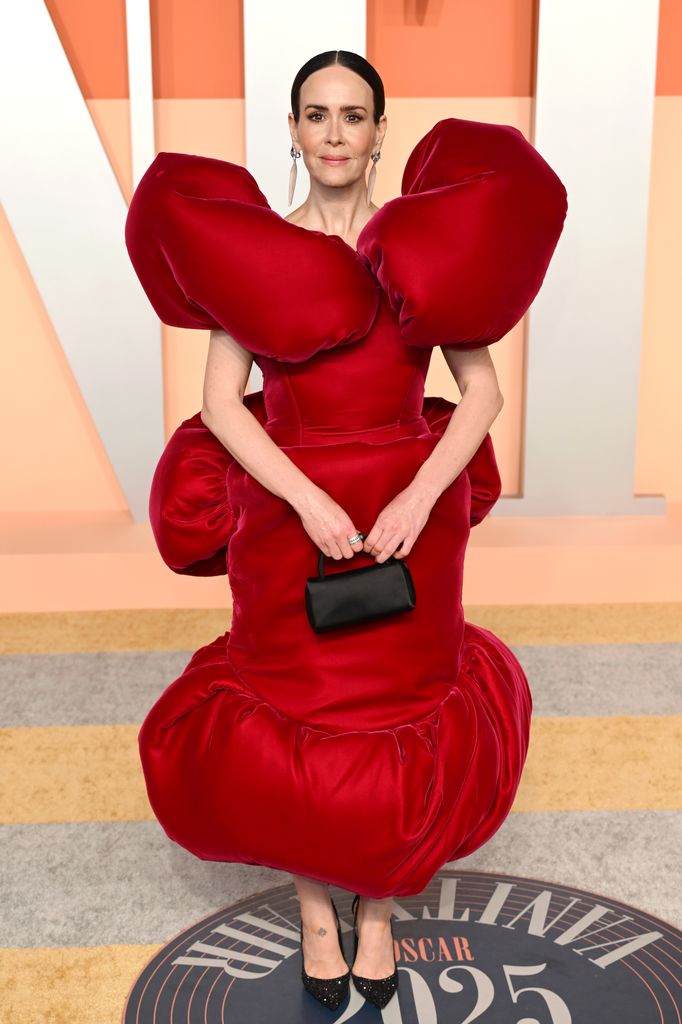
(669, 59)
(453, 49)
(196, 47)
(421, 49)
(93, 35)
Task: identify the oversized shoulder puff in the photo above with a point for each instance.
(211, 253)
(463, 251)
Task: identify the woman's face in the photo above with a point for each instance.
(326, 130)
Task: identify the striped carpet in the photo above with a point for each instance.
(91, 886)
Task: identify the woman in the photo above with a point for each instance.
(368, 756)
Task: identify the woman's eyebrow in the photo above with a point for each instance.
(347, 106)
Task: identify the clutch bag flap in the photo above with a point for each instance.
(356, 595)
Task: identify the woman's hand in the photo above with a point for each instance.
(328, 524)
(399, 524)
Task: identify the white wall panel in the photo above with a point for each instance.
(593, 124)
(68, 213)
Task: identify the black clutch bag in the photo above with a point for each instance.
(358, 595)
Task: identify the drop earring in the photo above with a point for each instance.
(372, 176)
(292, 172)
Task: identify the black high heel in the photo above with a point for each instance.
(376, 990)
(329, 991)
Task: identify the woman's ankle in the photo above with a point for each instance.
(374, 912)
(314, 900)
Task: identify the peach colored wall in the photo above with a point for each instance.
(468, 60)
(453, 49)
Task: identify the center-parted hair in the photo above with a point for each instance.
(347, 59)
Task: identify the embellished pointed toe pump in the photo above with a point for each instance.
(375, 990)
(329, 991)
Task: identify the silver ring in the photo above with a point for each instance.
(356, 537)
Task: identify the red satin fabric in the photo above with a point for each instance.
(370, 755)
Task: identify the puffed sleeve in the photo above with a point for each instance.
(210, 253)
(189, 508)
(463, 251)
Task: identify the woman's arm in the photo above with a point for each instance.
(223, 411)
(402, 520)
(479, 406)
(225, 415)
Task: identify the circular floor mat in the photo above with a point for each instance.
(472, 948)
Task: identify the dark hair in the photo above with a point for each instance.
(347, 59)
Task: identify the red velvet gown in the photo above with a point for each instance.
(370, 755)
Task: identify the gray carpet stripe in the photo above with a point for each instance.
(119, 687)
(126, 882)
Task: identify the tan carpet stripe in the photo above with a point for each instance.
(188, 628)
(92, 773)
(62, 985)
